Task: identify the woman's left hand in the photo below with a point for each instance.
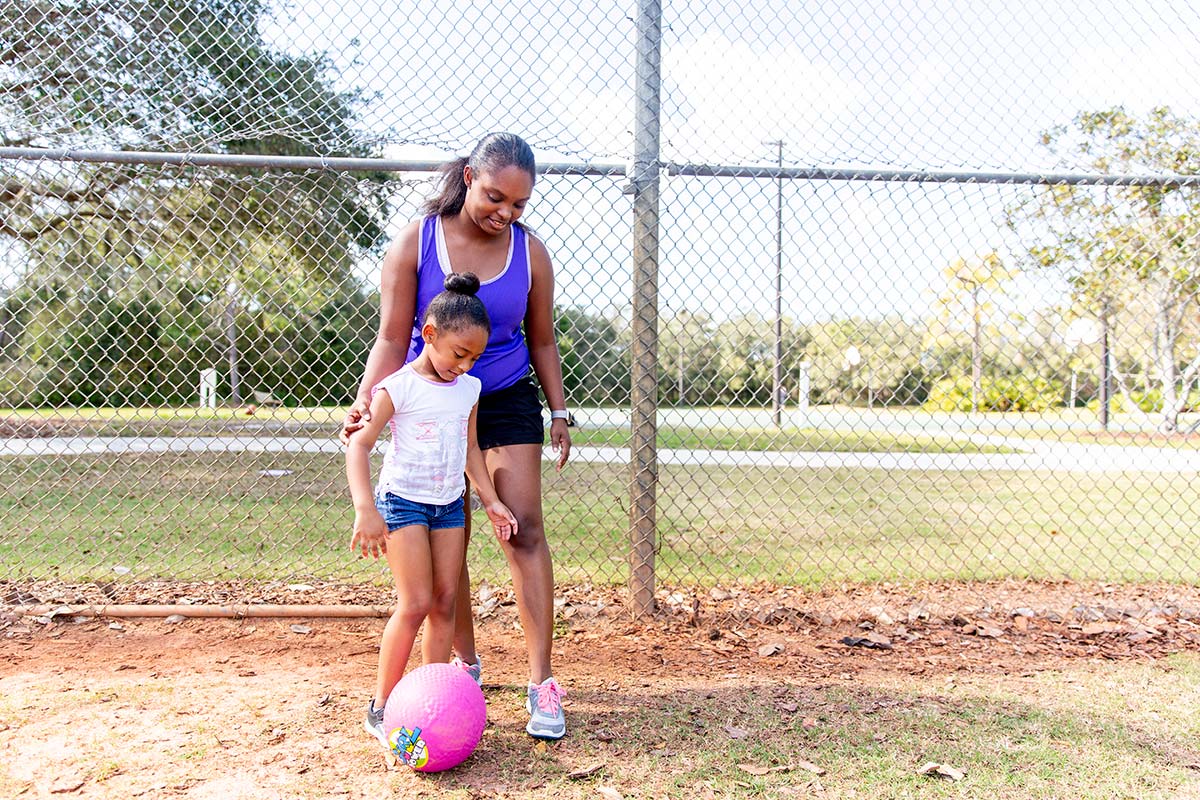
(560, 442)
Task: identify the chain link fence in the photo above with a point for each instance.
(846, 292)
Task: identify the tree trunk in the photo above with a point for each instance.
(1165, 335)
(976, 352)
(1105, 366)
(235, 395)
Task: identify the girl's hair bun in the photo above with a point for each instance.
(462, 283)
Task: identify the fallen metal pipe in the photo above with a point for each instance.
(199, 611)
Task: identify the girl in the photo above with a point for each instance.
(415, 517)
(474, 219)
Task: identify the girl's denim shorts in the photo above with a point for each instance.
(399, 512)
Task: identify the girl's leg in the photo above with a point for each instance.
(516, 471)
(464, 622)
(447, 547)
(409, 558)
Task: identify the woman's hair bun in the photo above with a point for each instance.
(462, 283)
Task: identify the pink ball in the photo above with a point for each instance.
(434, 717)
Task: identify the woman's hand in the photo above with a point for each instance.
(358, 416)
(370, 533)
(504, 524)
(560, 442)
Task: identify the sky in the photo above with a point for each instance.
(938, 84)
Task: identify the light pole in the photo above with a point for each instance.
(777, 376)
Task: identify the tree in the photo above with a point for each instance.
(594, 361)
(970, 284)
(1128, 247)
(889, 371)
(180, 75)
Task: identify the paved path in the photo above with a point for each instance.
(1032, 454)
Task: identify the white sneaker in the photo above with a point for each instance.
(373, 724)
(544, 704)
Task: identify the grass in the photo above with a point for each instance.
(216, 516)
(788, 439)
(1172, 441)
(326, 421)
(180, 421)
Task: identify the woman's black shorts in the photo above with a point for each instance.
(512, 415)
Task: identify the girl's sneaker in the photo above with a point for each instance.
(373, 724)
(544, 704)
(474, 670)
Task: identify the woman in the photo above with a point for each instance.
(471, 225)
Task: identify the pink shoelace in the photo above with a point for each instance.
(549, 696)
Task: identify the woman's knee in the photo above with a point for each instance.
(531, 533)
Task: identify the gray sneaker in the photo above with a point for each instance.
(474, 670)
(373, 724)
(544, 704)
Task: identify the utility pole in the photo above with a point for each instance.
(777, 377)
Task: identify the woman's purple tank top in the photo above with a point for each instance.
(506, 296)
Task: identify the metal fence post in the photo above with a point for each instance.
(644, 347)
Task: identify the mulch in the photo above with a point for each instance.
(936, 626)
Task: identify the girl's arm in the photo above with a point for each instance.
(504, 524)
(543, 348)
(397, 309)
(370, 531)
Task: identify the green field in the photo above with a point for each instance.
(215, 516)
(788, 440)
(324, 422)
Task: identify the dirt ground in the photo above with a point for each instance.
(271, 708)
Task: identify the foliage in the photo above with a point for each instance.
(595, 361)
(1130, 253)
(1008, 393)
(892, 369)
(1148, 402)
(89, 349)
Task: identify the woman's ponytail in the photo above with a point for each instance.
(452, 191)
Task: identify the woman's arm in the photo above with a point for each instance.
(397, 308)
(543, 348)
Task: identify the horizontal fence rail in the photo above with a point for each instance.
(331, 163)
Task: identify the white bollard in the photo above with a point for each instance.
(208, 388)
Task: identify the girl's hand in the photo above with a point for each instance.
(358, 416)
(504, 524)
(560, 441)
(370, 533)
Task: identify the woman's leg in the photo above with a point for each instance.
(409, 558)
(516, 471)
(447, 548)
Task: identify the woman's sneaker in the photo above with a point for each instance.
(373, 724)
(474, 670)
(544, 704)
